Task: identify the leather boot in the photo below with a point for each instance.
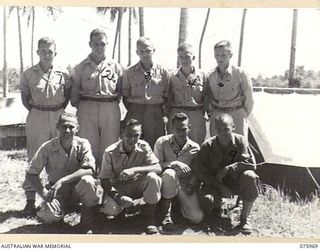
(245, 225)
(30, 209)
(87, 220)
(149, 214)
(165, 214)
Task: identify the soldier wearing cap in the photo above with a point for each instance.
(95, 93)
(69, 163)
(144, 92)
(129, 171)
(45, 91)
(229, 91)
(186, 93)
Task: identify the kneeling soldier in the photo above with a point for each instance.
(69, 163)
(175, 153)
(225, 166)
(129, 171)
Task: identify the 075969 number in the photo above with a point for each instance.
(308, 246)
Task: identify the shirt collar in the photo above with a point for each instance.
(139, 67)
(174, 143)
(121, 150)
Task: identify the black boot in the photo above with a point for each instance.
(149, 214)
(164, 207)
(87, 220)
(30, 209)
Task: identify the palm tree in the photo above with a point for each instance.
(202, 35)
(241, 35)
(291, 79)
(5, 69)
(141, 21)
(114, 12)
(30, 12)
(17, 8)
(183, 27)
(132, 17)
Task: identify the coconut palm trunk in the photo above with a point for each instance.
(293, 48)
(241, 36)
(5, 69)
(20, 39)
(183, 27)
(129, 35)
(32, 32)
(119, 34)
(141, 21)
(202, 35)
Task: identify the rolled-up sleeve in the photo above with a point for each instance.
(106, 167)
(38, 162)
(125, 84)
(75, 88)
(150, 158)
(87, 159)
(247, 90)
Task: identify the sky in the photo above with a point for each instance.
(266, 49)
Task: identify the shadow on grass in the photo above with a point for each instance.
(132, 225)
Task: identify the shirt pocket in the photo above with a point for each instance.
(109, 79)
(156, 87)
(57, 83)
(89, 81)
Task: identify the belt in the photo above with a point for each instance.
(101, 99)
(227, 108)
(47, 108)
(188, 108)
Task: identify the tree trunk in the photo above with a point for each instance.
(5, 69)
(293, 48)
(32, 32)
(183, 27)
(115, 39)
(141, 21)
(202, 35)
(129, 36)
(241, 36)
(20, 40)
(119, 35)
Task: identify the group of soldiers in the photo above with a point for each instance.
(156, 153)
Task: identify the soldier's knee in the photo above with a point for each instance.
(249, 185)
(87, 180)
(170, 184)
(196, 217)
(153, 178)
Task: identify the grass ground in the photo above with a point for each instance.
(273, 215)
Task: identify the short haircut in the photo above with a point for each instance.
(67, 116)
(224, 118)
(185, 47)
(131, 123)
(143, 40)
(179, 117)
(223, 44)
(97, 32)
(47, 41)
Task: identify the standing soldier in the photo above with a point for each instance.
(186, 93)
(143, 90)
(95, 93)
(229, 91)
(45, 91)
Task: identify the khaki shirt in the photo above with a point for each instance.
(212, 156)
(167, 150)
(235, 89)
(115, 159)
(97, 81)
(57, 163)
(44, 90)
(139, 90)
(186, 92)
